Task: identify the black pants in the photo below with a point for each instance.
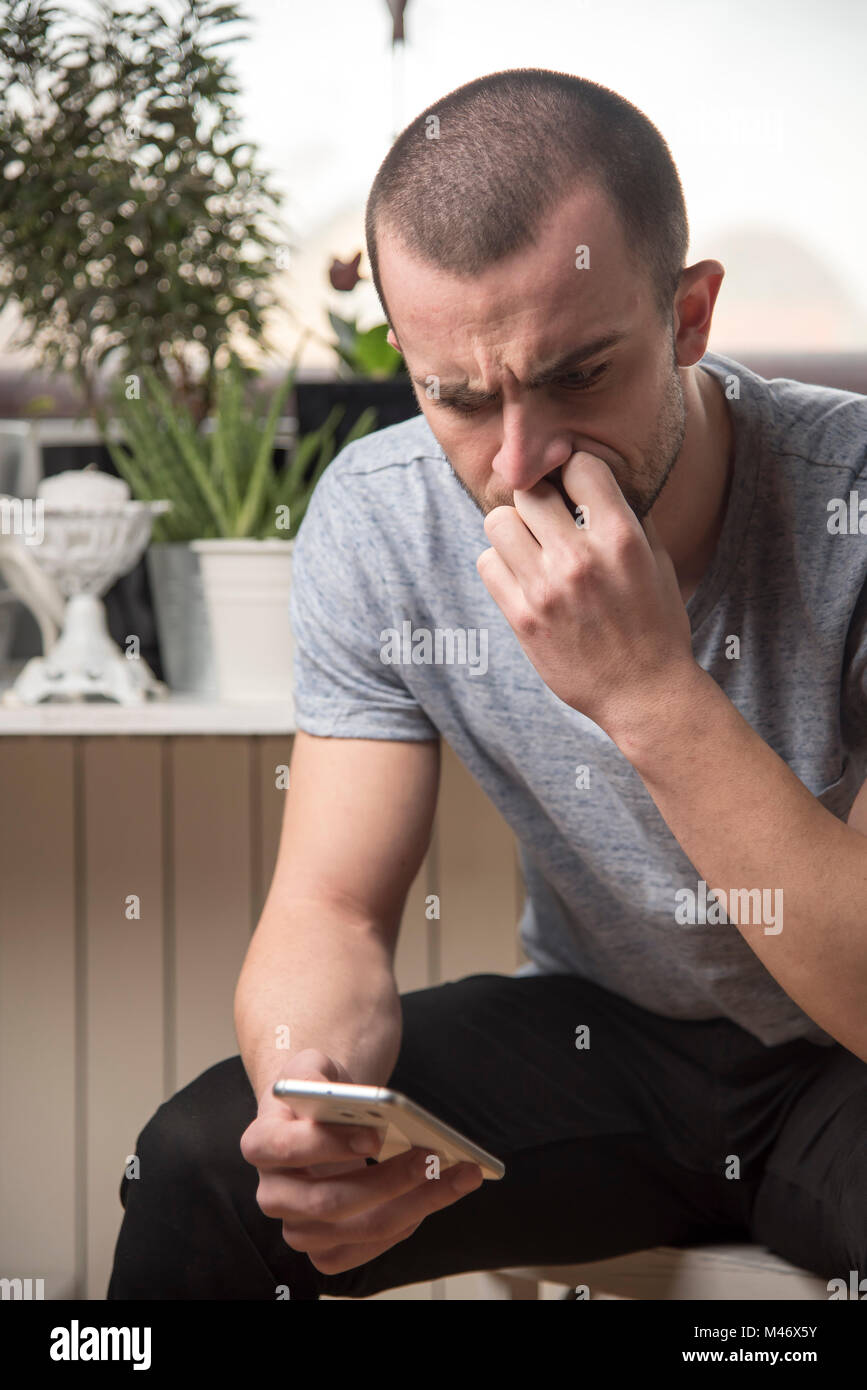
(659, 1132)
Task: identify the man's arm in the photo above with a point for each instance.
(746, 821)
(598, 611)
(356, 826)
(357, 822)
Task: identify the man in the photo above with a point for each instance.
(637, 534)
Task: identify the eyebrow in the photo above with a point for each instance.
(460, 390)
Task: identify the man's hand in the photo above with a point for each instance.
(596, 608)
(334, 1207)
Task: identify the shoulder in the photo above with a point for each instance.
(379, 459)
(377, 486)
(820, 425)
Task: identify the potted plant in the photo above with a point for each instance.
(138, 226)
(235, 514)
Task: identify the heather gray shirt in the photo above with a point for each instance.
(386, 555)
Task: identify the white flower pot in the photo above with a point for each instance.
(247, 584)
(181, 614)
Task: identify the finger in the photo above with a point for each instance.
(500, 582)
(343, 1257)
(272, 1142)
(590, 483)
(513, 541)
(308, 1198)
(543, 513)
(384, 1222)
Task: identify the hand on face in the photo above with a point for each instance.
(596, 607)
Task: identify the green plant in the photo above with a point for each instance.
(133, 219)
(222, 480)
(366, 354)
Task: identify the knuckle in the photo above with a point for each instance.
(525, 622)
(266, 1200)
(296, 1240)
(369, 1226)
(320, 1202)
(575, 568)
(546, 595)
(498, 516)
(626, 543)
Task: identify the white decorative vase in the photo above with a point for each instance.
(247, 585)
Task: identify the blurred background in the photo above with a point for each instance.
(185, 303)
(761, 105)
(249, 239)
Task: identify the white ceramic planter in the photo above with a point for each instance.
(181, 614)
(246, 585)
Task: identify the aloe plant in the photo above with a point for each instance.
(223, 481)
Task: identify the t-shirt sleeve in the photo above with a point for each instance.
(339, 607)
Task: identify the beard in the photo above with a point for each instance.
(641, 486)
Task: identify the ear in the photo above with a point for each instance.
(693, 310)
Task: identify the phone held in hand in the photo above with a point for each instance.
(406, 1125)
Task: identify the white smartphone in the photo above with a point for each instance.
(406, 1124)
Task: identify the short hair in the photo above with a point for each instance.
(510, 147)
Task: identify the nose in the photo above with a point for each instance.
(530, 448)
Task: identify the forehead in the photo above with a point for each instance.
(546, 292)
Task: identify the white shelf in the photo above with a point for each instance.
(178, 714)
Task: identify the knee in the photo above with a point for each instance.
(198, 1129)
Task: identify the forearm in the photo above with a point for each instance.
(746, 821)
(312, 978)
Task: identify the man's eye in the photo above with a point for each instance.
(463, 407)
(579, 381)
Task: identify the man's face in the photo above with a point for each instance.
(480, 342)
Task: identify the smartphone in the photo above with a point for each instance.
(405, 1124)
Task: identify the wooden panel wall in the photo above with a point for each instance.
(123, 1005)
(41, 1179)
(132, 874)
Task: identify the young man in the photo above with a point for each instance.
(638, 535)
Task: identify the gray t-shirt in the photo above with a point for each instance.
(396, 637)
